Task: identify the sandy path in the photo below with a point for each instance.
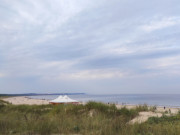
(25, 100)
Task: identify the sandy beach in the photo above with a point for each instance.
(30, 101)
(25, 101)
(159, 109)
(143, 116)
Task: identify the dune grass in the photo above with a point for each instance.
(90, 119)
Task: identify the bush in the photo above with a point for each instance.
(130, 113)
(141, 108)
(163, 119)
(98, 106)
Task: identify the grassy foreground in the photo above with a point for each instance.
(90, 119)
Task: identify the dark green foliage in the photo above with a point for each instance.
(131, 113)
(141, 108)
(98, 106)
(2, 102)
(163, 119)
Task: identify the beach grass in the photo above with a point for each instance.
(90, 119)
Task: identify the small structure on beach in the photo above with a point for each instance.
(63, 100)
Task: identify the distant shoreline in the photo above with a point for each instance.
(41, 94)
(28, 96)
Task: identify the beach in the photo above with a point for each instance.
(127, 118)
(20, 100)
(25, 101)
(143, 116)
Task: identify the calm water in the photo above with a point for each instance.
(150, 99)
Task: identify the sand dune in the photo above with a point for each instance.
(143, 116)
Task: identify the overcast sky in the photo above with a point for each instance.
(90, 46)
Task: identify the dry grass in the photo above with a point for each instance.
(90, 119)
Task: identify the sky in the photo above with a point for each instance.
(90, 46)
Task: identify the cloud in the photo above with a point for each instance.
(161, 23)
(92, 74)
(169, 65)
(53, 44)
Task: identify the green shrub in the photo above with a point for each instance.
(163, 119)
(141, 108)
(130, 113)
(98, 106)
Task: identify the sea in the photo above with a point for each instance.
(172, 100)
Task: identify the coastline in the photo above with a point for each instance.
(138, 115)
(23, 100)
(142, 117)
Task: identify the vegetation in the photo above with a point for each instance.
(90, 119)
